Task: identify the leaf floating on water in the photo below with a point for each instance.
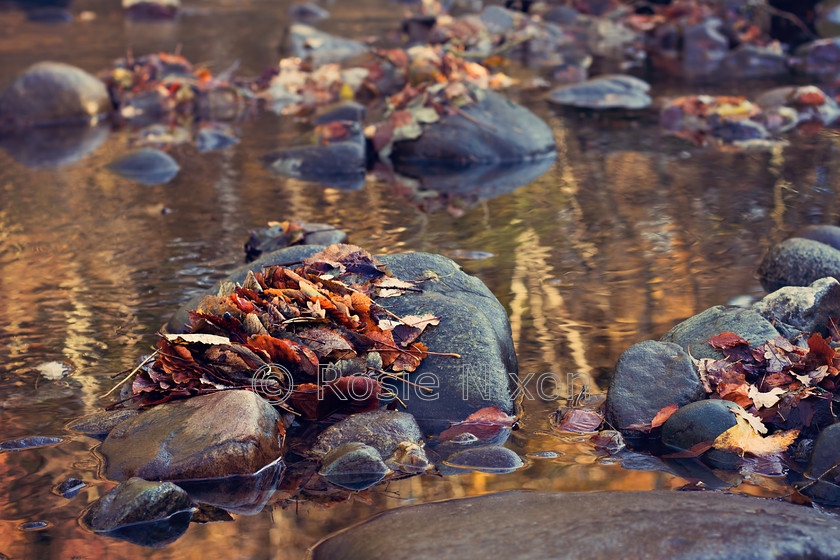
(28, 443)
(53, 371)
(577, 421)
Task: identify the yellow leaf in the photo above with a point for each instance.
(742, 438)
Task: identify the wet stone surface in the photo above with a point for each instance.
(209, 436)
(634, 525)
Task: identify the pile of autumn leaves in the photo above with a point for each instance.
(314, 318)
(779, 385)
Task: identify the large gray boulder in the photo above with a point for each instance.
(824, 468)
(649, 376)
(656, 525)
(694, 333)
(50, 92)
(797, 262)
(209, 436)
(473, 324)
(802, 310)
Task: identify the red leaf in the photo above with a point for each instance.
(579, 421)
(727, 340)
(484, 424)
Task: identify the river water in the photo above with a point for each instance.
(628, 233)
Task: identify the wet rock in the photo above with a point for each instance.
(347, 111)
(824, 466)
(701, 422)
(488, 459)
(802, 310)
(100, 424)
(147, 165)
(273, 238)
(753, 62)
(656, 525)
(382, 430)
(474, 325)
(320, 48)
(211, 139)
(52, 92)
(54, 146)
(143, 512)
(28, 443)
(830, 235)
(339, 164)
(499, 20)
(68, 488)
(797, 262)
(649, 376)
(354, 465)
(693, 333)
(151, 9)
(704, 47)
(819, 59)
(732, 131)
(135, 501)
(209, 436)
(494, 130)
(616, 91)
(307, 12)
(786, 107)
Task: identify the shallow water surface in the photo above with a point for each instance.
(626, 234)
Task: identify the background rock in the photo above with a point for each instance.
(797, 262)
(495, 130)
(49, 92)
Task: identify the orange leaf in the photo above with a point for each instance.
(663, 415)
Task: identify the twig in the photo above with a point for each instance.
(391, 375)
(131, 374)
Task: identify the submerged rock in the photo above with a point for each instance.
(693, 333)
(142, 512)
(146, 165)
(100, 424)
(354, 465)
(649, 376)
(616, 91)
(209, 436)
(655, 525)
(383, 430)
(336, 164)
(28, 443)
(52, 92)
(802, 310)
(797, 262)
(495, 130)
(489, 459)
(274, 237)
(136, 501)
